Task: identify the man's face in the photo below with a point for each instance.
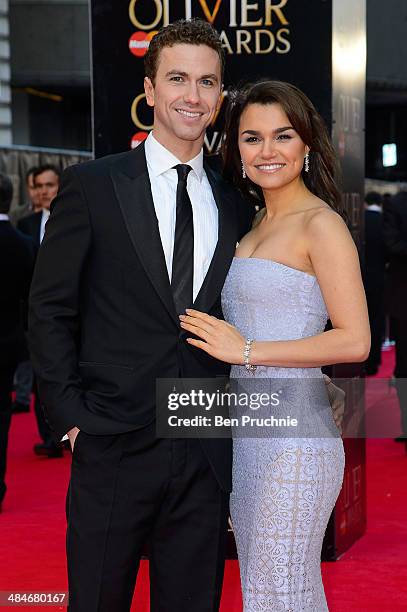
(33, 194)
(185, 95)
(46, 184)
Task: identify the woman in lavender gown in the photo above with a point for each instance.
(296, 268)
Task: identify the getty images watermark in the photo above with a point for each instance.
(219, 408)
(215, 403)
(274, 408)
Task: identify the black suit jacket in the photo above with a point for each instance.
(395, 236)
(16, 264)
(103, 325)
(31, 226)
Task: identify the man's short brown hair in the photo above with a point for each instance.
(183, 31)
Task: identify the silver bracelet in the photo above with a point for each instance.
(246, 356)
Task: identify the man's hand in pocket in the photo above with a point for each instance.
(72, 434)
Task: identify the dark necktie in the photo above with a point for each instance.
(183, 258)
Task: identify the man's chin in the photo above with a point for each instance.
(190, 134)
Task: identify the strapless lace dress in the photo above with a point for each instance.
(284, 488)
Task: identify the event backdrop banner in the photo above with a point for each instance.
(318, 45)
(283, 39)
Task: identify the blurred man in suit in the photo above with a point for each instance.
(375, 261)
(16, 264)
(395, 235)
(23, 377)
(46, 182)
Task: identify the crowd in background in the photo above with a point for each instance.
(20, 239)
(385, 279)
(384, 266)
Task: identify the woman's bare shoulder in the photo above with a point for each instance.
(321, 217)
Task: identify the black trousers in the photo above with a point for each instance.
(6, 387)
(400, 372)
(43, 428)
(131, 489)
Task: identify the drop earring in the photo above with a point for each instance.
(306, 163)
(243, 170)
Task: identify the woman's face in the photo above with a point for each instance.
(271, 150)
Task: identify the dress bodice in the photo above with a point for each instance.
(267, 300)
(285, 479)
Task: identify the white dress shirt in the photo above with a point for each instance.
(164, 180)
(4, 217)
(374, 208)
(44, 219)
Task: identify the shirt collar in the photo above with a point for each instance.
(4, 217)
(159, 159)
(374, 208)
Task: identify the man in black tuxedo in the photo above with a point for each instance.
(46, 181)
(132, 240)
(110, 282)
(16, 264)
(395, 236)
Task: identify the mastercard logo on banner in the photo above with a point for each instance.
(138, 138)
(139, 43)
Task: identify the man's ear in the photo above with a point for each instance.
(149, 91)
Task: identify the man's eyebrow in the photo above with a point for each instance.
(276, 131)
(210, 76)
(179, 72)
(185, 74)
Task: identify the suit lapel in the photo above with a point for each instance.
(226, 245)
(133, 190)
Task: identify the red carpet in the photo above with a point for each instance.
(371, 576)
